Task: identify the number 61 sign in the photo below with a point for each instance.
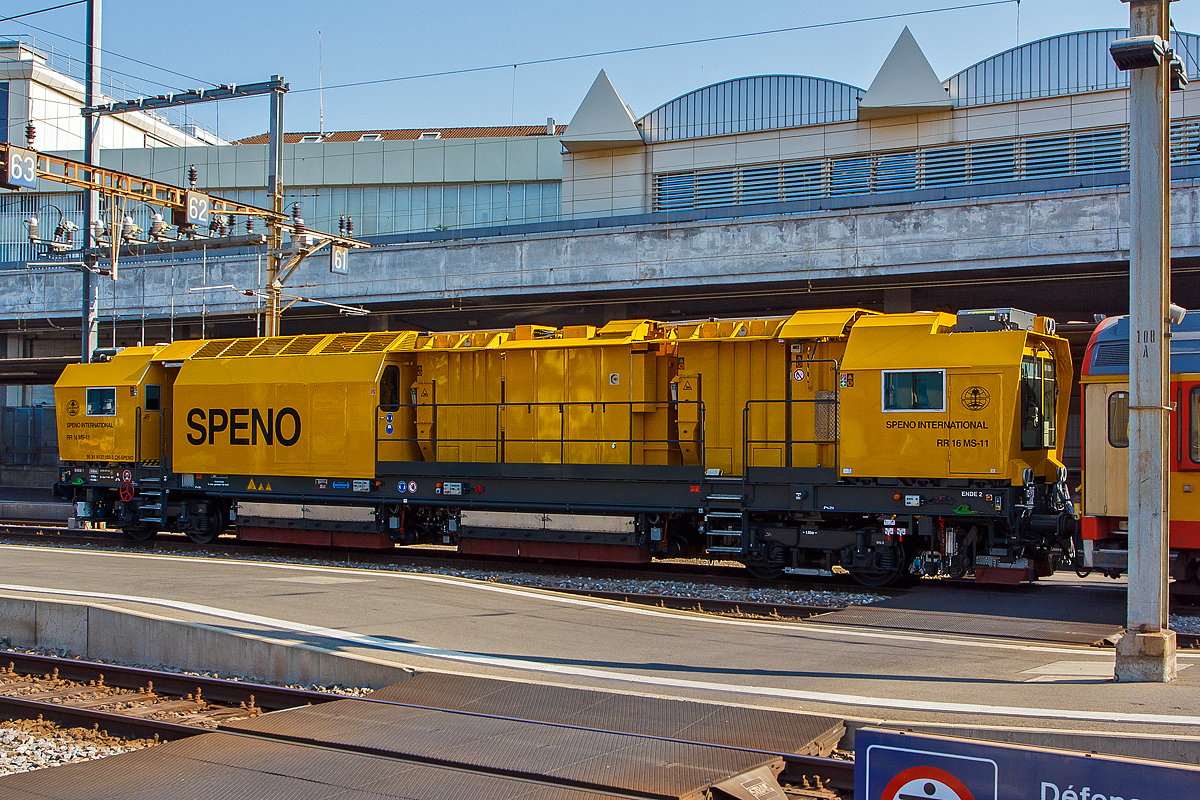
(21, 170)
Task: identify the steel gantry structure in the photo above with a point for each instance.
(23, 167)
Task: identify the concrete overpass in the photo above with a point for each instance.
(1056, 246)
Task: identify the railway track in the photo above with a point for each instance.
(421, 556)
(136, 703)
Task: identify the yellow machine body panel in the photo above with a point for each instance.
(299, 406)
(919, 400)
(762, 384)
(539, 395)
(111, 412)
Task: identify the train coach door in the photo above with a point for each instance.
(1106, 450)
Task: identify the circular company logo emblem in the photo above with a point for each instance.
(72, 408)
(925, 783)
(975, 398)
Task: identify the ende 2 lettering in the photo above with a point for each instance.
(244, 426)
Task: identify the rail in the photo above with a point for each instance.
(501, 442)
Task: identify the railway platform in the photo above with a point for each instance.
(1001, 685)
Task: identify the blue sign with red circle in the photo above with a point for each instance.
(909, 766)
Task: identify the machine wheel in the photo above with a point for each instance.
(879, 577)
(214, 528)
(771, 566)
(764, 572)
(142, 533)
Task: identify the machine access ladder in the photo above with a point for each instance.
(724, 522)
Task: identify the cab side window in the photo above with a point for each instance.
(389, 388)
(101, 402)
(914, 391)
(153, 397)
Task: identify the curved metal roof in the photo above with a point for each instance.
(1067, 64)
(759, 103)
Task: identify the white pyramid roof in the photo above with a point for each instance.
(905, 84)
(602, 122)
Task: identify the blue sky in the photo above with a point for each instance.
(241, 42)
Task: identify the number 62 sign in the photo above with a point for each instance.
(21, 170)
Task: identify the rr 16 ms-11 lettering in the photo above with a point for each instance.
(962, 443)
(244, 425)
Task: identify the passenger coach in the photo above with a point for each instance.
(884, 445)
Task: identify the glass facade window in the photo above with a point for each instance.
(101, 402)
(914, 391)
(1118, 419)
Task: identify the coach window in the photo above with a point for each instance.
(101, 402)
(1194, 425)
(389, 388)
(914, 391)
(153, 397)
(1118, 420)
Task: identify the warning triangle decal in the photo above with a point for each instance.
(251, 486)
(268, 487)
(687, 385)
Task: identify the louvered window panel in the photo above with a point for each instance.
(850, 175)
(343, 343)
(213, 348)
(895, 172)
(761, 184)
(803, 181)
(1102, 151)
(676, 191)
(1048, 157)
(1185, 143)
(945, 167)
(715, 188)
(272, 346)
(993, 161)
(302, 345)
(376, 342)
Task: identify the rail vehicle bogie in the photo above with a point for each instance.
(1105, 423)
(888, 446)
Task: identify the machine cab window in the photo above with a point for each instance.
(389, 388)
(914, 391)
(153, 397)
(102, 402)
(1039, 404)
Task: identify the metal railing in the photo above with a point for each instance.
(830, 405)
(500, 441)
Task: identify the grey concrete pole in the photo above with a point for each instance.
(90, 311)
(1147, 651)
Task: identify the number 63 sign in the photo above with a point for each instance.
(21, 170)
